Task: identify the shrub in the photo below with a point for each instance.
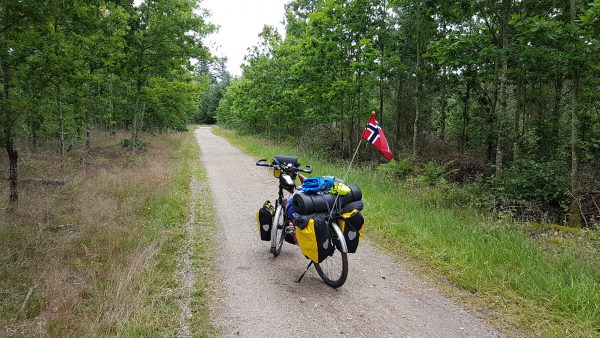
(528, 184)
(397, 169)
(433, 172)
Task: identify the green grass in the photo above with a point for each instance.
(524, 286)
(114, 272)
(158, 311)
(167, 215)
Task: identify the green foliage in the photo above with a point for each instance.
(71, 66)
(535, 184)
(493, 81)
(397, 169)
(433, 172)
(133, 144)
(172, 103)
(430, 172)
(68, 67)
(220, 79)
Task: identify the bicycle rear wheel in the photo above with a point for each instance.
(334, 269)
(277, 231)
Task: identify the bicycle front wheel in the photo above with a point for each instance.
(277, 231)
(334, 269)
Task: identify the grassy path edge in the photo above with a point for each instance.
(180, 234)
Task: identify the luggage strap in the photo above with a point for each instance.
(330, 209)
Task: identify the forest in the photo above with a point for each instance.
(109, 224)
(72, 69)
(502, 96)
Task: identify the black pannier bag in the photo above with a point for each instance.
(264, 217)
(351, 225)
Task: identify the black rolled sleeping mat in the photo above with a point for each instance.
(354, 195)
(312, 203)
(358, 205)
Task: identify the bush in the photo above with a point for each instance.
(434, 173)
(473, 195)
(528, 184)
(397, 169)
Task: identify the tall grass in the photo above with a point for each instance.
(524, 286)
(100, 252)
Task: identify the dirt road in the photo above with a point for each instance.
(261, 297)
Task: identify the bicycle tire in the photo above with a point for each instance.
(328, 269)
(278, 231)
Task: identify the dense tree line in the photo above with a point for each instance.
(220, 79)
(513, 84)
(70, 66)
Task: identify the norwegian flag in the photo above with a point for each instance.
(374, 134)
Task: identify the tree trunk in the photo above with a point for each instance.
(444, 96)
(138, 99)
(381, 96)
(516, 138)
(88, 118)
(341, 129)
(142, 113)
(443, 104)
(575, 212)
(12, 158)
(464, 140)
(381, 55)
(555, 120)
(62, 125)
(574, 134)
(111, 110)
(35, 127)
(417, 94)
(9, 118)
(503, 88)
(398, 111)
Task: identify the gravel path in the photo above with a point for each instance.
(261, 298)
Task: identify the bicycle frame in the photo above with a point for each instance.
(340, 235)
(280, 208)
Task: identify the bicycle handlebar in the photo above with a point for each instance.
(262, 163)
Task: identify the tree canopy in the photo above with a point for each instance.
(72, 66)
(513, 84)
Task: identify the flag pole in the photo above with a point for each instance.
(345, 176)
(352, 160)
(353, 156)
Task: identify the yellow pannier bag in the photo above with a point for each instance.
(315, 239)
(351, 225)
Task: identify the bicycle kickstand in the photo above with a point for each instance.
(308, 267)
